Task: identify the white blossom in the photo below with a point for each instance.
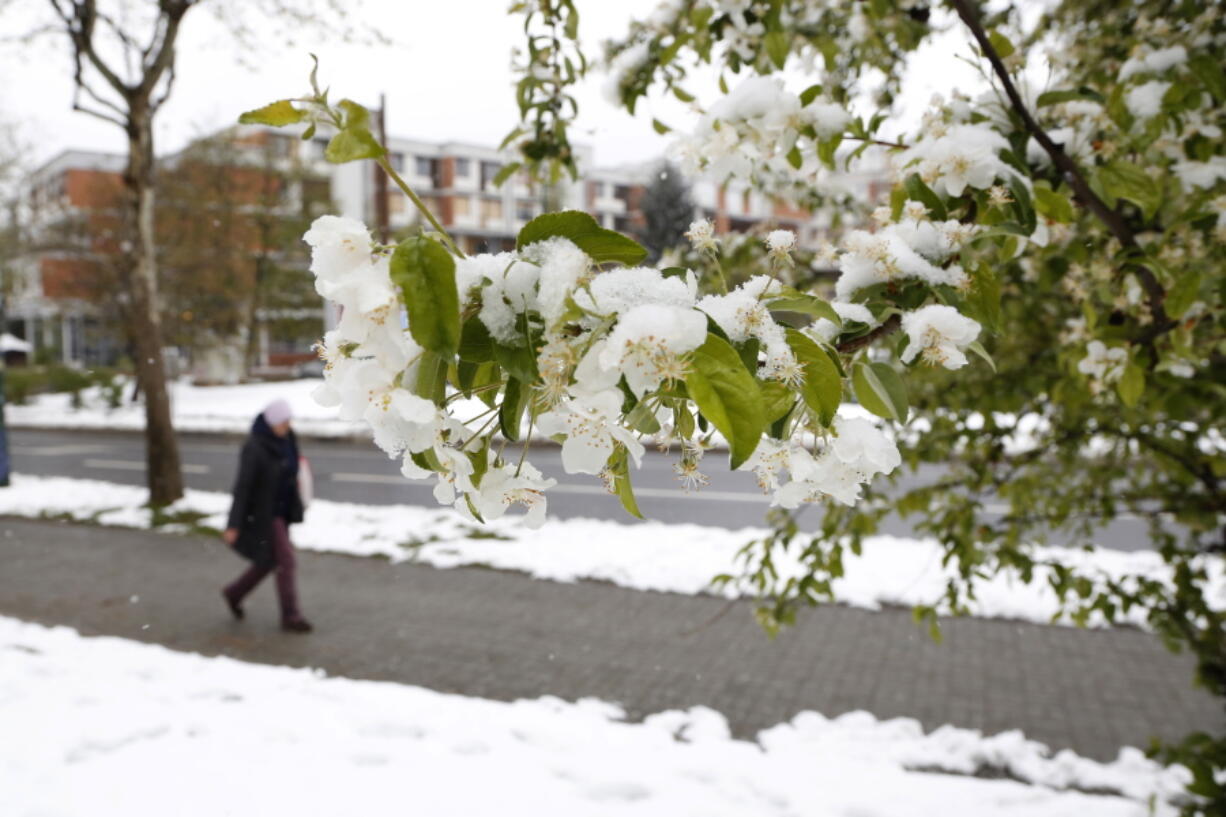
(508, 485)
(1103, 363)
(938, 334)
(591, 426)
(648, 341)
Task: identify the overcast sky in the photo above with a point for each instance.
(446, 77)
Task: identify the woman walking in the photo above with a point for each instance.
(266, 502)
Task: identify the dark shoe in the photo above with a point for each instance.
(236, 609)
(296, 625)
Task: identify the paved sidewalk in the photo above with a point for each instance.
(500, 635)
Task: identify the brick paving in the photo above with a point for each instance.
(502, 635)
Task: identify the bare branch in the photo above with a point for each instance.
(77, 106)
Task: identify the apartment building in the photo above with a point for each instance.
(69, 211)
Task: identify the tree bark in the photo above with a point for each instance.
(161, 448)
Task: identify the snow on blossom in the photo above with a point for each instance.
(1155, 62)
(563, 267)
(473, 271)
(827, 118)
(1102, 362)
(1145, 101)
(621, 67)
(938, 334)
(339, 245)
(591, 427)
(742, 314)
(826, 330)
(510, 293)
(906, 250)
(618, 291)
(780, 242)
(959, 157)
(648, 341)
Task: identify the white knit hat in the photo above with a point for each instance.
(277, 412)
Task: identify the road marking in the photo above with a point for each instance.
(58, 450)
(133, 465)
(571, 488)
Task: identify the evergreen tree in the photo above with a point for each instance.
(667, 211)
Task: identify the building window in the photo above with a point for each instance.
(491, 209)
(424, 166)
(524, 212)
(397, 162)
(488, 171)
(461, 206)
(462, 167)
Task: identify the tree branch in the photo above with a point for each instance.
(886, 328)
(1114, 221)
(105, 117)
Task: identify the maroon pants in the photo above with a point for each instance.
(287, 590)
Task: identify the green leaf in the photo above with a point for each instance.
(1056, 97)
(506, 172)
(984, 298)
(916, 189)
(519, 362)
(351, 145)
(880, 390)
(1002, 44)
(277, 114)
(777, 45)
(794, 158)
(431, 382)
(805, 305)
(601, 245)
(727, 395)
(511, 412)
(659, 127)
(1208, 70)
(476, 346)
(619, 466)
(1123, 180)
(809, 94)
(1183, 294)
(977, 347)
(643, 419)
(823, 387)
(1131, 384)
(1055, 206)
(425, 273)
(777, 399)
(682, 94)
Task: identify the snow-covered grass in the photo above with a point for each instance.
(649, 556)
(104, 726)
(223, 409)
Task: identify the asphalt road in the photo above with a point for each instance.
(356, 471)
(501, 635)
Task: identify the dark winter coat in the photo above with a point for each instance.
(266, 488)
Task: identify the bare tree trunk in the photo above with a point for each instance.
(161, 448)
(253, 312)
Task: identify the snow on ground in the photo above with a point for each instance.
(646, 556)
(104, 726)
(225, 409)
